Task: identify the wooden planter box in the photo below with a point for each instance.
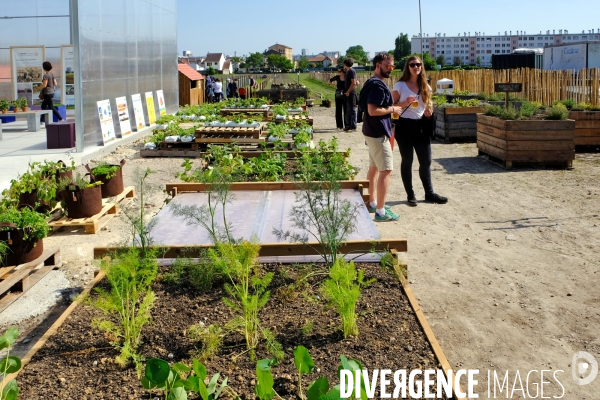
(457, 123)
(587, 127)
(530, 142)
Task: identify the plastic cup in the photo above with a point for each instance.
(415, 104)
(395, 115)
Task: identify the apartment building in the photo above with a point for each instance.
(469, 48)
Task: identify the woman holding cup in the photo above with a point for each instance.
(413, 94)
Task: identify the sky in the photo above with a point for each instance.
(244, 26)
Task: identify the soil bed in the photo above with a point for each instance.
(77, 361)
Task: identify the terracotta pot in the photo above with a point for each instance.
(111, 186)
(28, 198)
(16, 109)
(82, 203)
(25, 109)
(20, 251)
(4, 111)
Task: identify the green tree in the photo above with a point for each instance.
(211, 71)
(254, 60)
(441, 60)
(478, 61)
(279, 61)
(303, 63)
(457, 61)
(402, 46)
(341, 61)
(358, 53)
(236, 61)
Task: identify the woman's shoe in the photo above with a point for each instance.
(412, 201)
(435, 198)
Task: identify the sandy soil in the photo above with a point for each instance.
(506, 272)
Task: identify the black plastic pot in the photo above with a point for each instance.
(111, 186)
(82, 203)
(20, 251)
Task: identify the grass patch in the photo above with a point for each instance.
(317, 88)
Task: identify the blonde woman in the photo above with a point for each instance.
(413, 94)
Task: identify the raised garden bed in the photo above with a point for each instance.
(457, 123)
(587, 127)
(537, 142)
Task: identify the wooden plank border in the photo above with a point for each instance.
(270, 249)
(175, 188)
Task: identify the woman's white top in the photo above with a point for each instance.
(405, 92)
(218, 87)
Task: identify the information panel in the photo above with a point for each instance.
(27, 72)
(138, 111)
(151, 109)
(68, 77)
(123, 116)
(162, 109)
(106, 121)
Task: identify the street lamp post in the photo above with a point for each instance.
(421, 32)
(298, 77)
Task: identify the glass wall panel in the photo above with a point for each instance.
(32, 23)
(127, 47)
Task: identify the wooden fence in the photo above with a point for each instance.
(541, 86)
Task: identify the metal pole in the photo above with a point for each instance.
(421, 31)
(79, 133)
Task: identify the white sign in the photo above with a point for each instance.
(162, 109)
(123, 116)
(68, 76)
(150, 107)
(27, 72)
(138, 111)
(106, 121)
(565, 57)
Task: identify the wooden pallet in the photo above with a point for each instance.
(294, 118)
(94, 223)
(179, 146)
(234, 111)
(254, 132)
(16, 280)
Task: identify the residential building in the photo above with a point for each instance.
(469, 48)
(194, 62)
(215, 60)
(227, 67)
(283, 50)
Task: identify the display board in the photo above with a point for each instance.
(150, 107)
(68, 76)
(565, 57)
(106, 121)
(123, 114)
(27, 72)
(162, 108)
(138, 111)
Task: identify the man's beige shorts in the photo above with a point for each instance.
(380, 153)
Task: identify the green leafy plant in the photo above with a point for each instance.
(439, 100)
(320, 212)
(210, 336)
(557, 112)
(247, 292)
(279, 109)
(461, 92)
(343, 290)
(466, 103)
(127, 304)
(264, 379)
(32, 223)
(107, 170)
(569, 103)
(304, 364)
(176, 381)
(583, 106)
(500, 112)
(4, 105)
(136, 214)
(199, 274)
(8, 365)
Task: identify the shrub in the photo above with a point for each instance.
(502, 113)
(557, 112)
(569, 104)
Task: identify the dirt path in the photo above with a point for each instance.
(506, 272)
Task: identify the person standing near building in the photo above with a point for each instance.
(218, 89)
(412, 91)
(377, 103)
(350, 83)
(233, 88)
(339, 82)
(252, 85)
(48, 84)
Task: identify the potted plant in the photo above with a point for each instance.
(80, 198)
(23, 231)
(309, 102)
(35, 188)
(111, 177)
(531, 134)
(326, 103)
(16, 105)
(23, 105)
(302, 139)
(4, 106)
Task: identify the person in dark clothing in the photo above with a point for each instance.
(350, 93)
(233, 88)
(413, 93)
(339, 82)
(48, 84)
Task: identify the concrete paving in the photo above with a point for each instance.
(18, 148)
